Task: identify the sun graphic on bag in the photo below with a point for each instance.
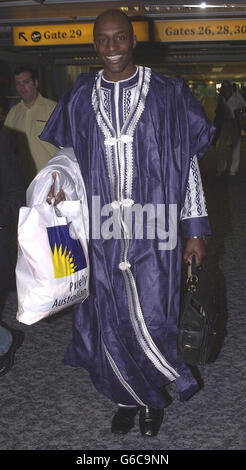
(63, 262)
(67, 253)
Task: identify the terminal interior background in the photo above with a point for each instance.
(203, 64)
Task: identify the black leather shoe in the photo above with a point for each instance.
(150, 420)
(124, 420)
(7, 359)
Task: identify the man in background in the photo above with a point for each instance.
(26, 121)
(230, 101)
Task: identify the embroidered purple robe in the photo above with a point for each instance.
(135, 141)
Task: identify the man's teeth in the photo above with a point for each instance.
(114, 58)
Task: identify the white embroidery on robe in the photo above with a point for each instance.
(195, 204)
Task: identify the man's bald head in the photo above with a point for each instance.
(113, 13)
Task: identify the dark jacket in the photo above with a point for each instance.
(12, 196)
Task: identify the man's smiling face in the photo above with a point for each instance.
(114, 43)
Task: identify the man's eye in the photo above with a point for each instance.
(122, 37)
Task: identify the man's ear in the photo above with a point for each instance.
(134, 41)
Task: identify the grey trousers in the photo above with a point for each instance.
(229, 129)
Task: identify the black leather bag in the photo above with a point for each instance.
(197, 333)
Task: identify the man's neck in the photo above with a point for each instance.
(29, 104)
(120, 77)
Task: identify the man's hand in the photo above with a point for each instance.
(60, 196)
(197, 247)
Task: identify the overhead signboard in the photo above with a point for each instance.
(62, 34)
(200, 30)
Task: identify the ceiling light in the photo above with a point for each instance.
(206, 6)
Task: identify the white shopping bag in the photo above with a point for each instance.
(52, 271)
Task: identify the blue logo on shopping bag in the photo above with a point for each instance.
(67, 253)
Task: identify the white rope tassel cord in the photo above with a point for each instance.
(111, 141)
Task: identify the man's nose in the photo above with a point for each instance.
(111, 44)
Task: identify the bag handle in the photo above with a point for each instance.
(192, 267)
(192, 278)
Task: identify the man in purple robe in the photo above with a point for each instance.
(137, 137)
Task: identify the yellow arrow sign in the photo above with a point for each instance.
(60, 34)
